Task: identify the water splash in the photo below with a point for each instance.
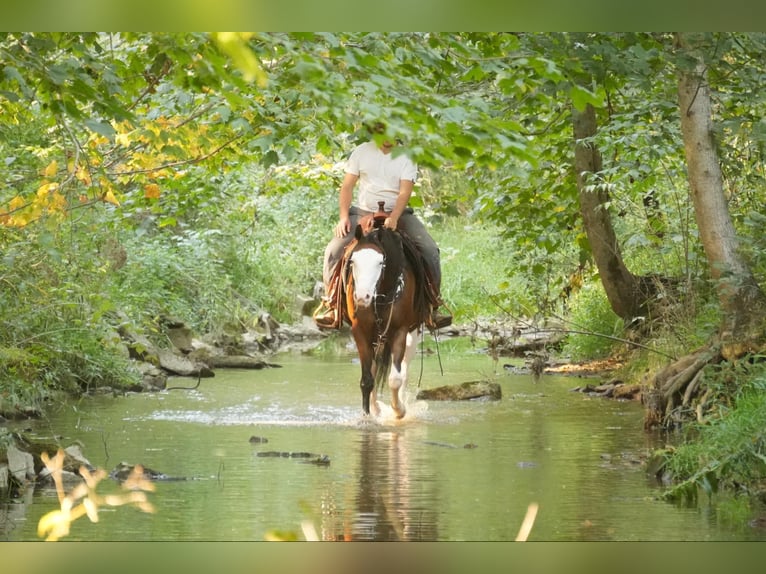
(416, 411)
(277, 414)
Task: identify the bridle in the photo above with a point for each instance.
(383, 320)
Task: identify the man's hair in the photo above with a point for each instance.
(376, 127)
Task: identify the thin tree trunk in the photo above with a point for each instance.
(620, 285)
(741, 299)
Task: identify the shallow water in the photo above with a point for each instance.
(578, 458)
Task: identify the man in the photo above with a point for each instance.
(381, 177)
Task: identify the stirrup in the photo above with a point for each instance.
(326, 317)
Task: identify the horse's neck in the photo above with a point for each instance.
(393, 260)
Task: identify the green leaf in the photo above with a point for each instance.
(581, 97)
(270, 158)
(100, 127)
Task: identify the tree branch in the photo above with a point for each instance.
(178, 163)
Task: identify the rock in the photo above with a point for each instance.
(21, 464)
(68, 478)
(74, 454)
(182, 366)
(305, 304)
(139, 346)
(181, 338)
(516, 370)
(4, 476)
(463, 392)
(153, 378)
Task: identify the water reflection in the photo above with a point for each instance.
(392, 502)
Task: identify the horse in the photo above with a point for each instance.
(385, 301)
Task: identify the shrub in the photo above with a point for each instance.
(590, 312)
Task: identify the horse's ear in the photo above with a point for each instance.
(358, 232)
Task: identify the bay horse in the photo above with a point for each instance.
(385, 302)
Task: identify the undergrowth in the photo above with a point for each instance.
(726, 451)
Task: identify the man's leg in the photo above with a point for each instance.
(326, 315)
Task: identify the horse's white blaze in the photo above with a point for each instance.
(366, 266)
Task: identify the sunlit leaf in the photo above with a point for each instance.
(57, 202)
(234, 45)
(91, 509)
(83, 175)
(45, 189)
(51, 169)
(110, 198)
(16, 203)
(53, 525)
(152, 191)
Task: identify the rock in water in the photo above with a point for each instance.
(463, 392)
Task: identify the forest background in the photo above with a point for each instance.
(614, 181)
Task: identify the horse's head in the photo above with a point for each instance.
(368, 263)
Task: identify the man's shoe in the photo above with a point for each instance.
(325, 317)
(439, 320)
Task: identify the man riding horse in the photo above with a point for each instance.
(381, 177)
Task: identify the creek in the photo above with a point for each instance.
(449, 471)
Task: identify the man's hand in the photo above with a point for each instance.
(343, 227)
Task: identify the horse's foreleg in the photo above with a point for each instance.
(403, 351)
(366, 361)
(367, 382)
(367, 385)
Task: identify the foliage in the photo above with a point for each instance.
(55, 335)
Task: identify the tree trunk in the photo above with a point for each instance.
(621, 286)
(670, 393)
(742, 301)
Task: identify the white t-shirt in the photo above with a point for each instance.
(379, 174)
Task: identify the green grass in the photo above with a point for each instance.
(590, 312)
(475, 263)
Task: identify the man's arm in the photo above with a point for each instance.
(344, 204)
(405, 191)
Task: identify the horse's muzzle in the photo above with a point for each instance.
(364, 300)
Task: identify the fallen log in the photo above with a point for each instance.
(238, 362)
